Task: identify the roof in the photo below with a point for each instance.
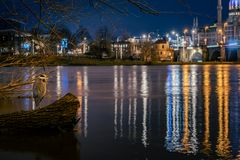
(161, 41)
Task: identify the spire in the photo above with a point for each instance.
(193, 22)
(196, 22)
(219, 8)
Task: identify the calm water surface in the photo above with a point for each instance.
(139, 112)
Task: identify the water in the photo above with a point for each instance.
(139, 112)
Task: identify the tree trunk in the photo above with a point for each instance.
(57, 117)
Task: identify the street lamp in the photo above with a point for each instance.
(185, 31)
(206, 28)
(167, 35)
(144, 36)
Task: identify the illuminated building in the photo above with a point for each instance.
(223, 38)
(121, 49)
(82, 47)
(12, 36)
(163, 50)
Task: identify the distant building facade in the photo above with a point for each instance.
(222, 38)
(121, 49)
(82, 48)
(12, 37)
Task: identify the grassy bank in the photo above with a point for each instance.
(83, 61)
(80, 61)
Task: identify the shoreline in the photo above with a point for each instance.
(84, 61)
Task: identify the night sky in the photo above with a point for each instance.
(174, 15)
(179, 18)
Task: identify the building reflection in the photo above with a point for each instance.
(85, 100)
(118, 104)
(144, 94)
(173, 114)
(125, 118)
(181, 100)
(207, 95)
(132, 106)
(186, 124)
(82, 92)
(223, 88)
(115, 102)
(121, 100)
(193, 110)
(80, 98)
(134, 88)
(59, 87)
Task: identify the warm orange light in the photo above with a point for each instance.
(225, 24)
(220, 31)
(186, 109)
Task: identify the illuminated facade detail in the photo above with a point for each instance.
(234, 5)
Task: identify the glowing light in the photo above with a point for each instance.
(206, 28)
(185, 31)
(26, 45)
(64, 43)
(233, 44)
(144, 36)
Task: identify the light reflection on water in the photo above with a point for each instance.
(222, 89)
(143, 110)
(181, 111)
(207, 93)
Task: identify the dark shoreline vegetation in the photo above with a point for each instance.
(86, 61)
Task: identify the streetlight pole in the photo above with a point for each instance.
(184, 42)
(221, 44)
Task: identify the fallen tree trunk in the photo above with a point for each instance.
(59, 116)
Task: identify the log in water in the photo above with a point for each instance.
(59, 116)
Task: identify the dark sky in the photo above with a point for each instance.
(178, 19)
(175, 16)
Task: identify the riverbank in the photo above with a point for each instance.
(84, 61)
